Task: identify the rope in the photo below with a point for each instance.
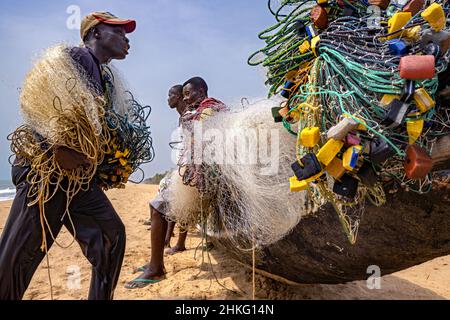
(44, 245)
(253, 270)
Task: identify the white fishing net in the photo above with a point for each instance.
(55, 85)
(248, 195)
(121, 101)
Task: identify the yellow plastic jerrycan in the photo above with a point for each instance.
(396, 22)
(335, 168)
(350, 157)
(414, 129)
(304, 47)
(423, 100)
(300, 185)
(435, 16)
(329, 151)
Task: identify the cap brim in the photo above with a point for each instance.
(129, 25)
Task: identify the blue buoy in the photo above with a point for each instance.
(398, 47)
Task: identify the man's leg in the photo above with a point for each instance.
(181, 243)
(101, 235)
(154, 270)
(169, 234)
(20, 242)
(159, 230)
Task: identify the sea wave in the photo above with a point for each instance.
(7, 194)
(7, 190)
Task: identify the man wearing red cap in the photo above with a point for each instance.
(95, 224)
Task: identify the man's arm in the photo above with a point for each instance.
(69, 159)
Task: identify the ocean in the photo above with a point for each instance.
(7, 190)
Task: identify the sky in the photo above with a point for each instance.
(174, 40)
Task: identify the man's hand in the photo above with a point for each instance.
(69, 159)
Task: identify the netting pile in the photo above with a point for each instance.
(360, 82)
(131, 144)
(60, 109)
(242, 187)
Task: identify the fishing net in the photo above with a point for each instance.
(245, 172)
(61, 109)
(361, 82)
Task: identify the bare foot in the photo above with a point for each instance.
(175, 250)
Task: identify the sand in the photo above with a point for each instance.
(189, 278)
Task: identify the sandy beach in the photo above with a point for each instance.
(189, 274)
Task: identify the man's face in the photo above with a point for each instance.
(175, 96)
(192, 96)
(113, 40)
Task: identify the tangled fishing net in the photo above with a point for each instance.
(61, 109)
(361, 81)
(362, 112)
(244, 174)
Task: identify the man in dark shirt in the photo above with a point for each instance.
(98, 229)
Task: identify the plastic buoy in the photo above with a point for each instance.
(340, 130)
(387, 99)
(417, 163)
(397, 22)
(309, 167)
(380, 151)
(396, 113)
(398, 47)
(435, 16)
(414, 129)
(310, 136)
(319, 17)
(383, 4)
(300, 185)
(347, 186)
(417, 67)
(286, 93)
(414, 6)
(350, 157)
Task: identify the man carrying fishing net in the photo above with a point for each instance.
(193, 104)
(82, 134)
